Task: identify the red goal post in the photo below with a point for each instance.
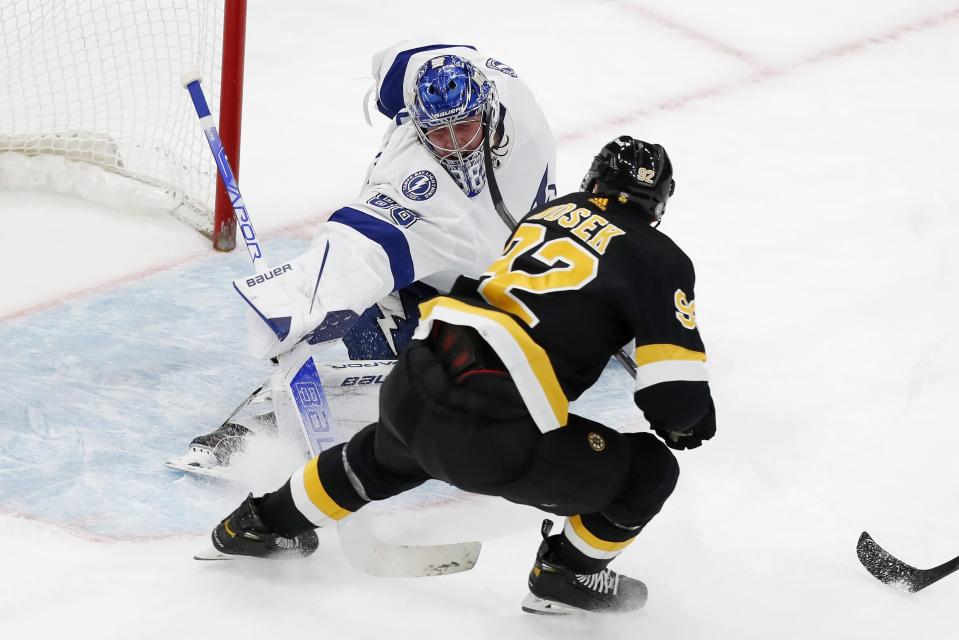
(231, 114)
(91, 103)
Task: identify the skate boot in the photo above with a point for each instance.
(219, 445)
(242, 533)
(556, 590)
(210, 454)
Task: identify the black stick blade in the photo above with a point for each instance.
(888, 568)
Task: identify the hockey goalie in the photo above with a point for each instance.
(422, 218)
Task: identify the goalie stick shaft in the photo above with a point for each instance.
(362, 548)
(191, 81)
(893, 571)
(621, 356)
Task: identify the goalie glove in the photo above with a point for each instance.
(341, 275)
(282, 307)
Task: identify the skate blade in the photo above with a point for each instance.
(544, 607)
(218, 474)
(211, 553)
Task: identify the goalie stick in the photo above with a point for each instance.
(893, 571)
(364, 552)
(621, 356)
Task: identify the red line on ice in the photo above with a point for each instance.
(295, 229)
(102, 287)
(692, 34)
(79, 532)
(721, 89)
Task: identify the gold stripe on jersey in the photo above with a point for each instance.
(527, 362)
(657, 363)
(311, 498)
(590, 545)
(658, 352)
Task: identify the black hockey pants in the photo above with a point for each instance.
(460, 419)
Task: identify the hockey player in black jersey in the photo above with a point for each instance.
(480, 398)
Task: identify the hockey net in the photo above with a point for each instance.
(91, 102)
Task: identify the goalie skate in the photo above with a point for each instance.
(211, 455)
(351, 388)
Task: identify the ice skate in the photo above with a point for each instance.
(211, 454)
(242, 533)
(556, 590)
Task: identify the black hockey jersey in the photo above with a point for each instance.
(580, 278)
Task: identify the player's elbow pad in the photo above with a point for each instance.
(677, 405)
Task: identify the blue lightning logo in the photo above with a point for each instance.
(420, 185)
(388, 326)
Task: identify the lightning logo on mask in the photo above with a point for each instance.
(420, 185)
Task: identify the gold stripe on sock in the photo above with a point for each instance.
(318, 495)
(602, 545)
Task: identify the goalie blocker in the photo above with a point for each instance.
(480, 397)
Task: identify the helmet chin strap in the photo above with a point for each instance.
(491, 184)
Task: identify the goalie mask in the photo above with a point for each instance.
(636, 174)
(448, 102)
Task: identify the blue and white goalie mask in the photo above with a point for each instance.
(447, 103)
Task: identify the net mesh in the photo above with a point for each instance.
(97, 82)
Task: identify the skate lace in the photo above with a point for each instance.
(605, 582)
(285, 543)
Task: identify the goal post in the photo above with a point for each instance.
(231, 112)
(91, 103)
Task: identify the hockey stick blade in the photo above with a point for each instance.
(211, 554)
(365, 552)
(896, 573)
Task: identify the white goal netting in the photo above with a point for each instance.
(91, 102)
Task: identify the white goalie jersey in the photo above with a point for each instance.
(412, 221)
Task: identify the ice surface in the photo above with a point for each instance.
(815, 156)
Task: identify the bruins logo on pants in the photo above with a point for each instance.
(596, 441)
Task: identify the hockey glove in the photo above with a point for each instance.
(692, 437)
(281, 308)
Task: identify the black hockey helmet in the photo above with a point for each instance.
(636, 173)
